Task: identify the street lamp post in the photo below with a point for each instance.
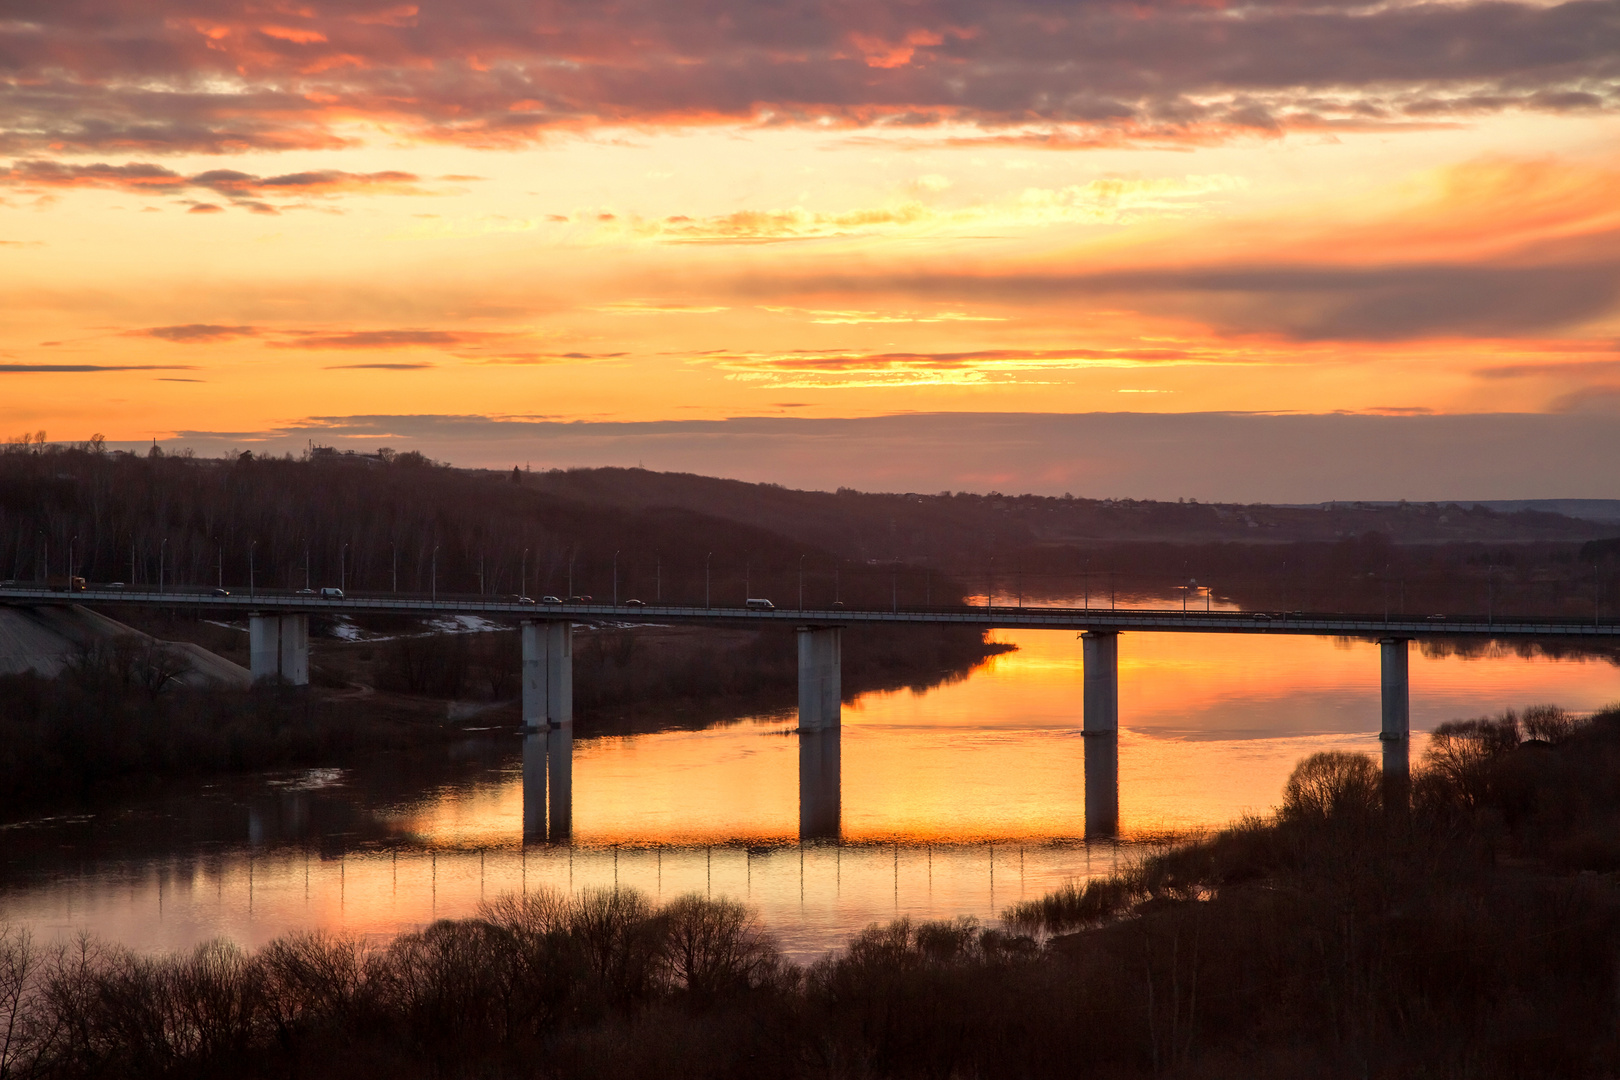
(72, 544)
(615, 579)
(434, 595)
(343, 568)
(251, 546)
(801, 582)
(393, 560)
(706, 559)
(162, 550)
(523, 575)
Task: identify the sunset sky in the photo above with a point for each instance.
(465, 226)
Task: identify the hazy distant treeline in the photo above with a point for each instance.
(1365, 573)
(1470, 928)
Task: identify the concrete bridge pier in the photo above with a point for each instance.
(278, 647)
(548, 674)
(1396, 730)
(1101, 657)
(820, 798)
(1100, 732)
(820, 677)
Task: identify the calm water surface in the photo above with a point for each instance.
(957, 801)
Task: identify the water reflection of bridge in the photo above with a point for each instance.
(279, 650)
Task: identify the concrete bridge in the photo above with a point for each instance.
(278, 624)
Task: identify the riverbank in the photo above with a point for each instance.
(119, 721)
(1472, 933)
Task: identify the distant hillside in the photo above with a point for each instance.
(962, 528)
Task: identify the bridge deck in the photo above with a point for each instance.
(238, 605)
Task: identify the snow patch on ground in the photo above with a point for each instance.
(464, 624)
(343, 628)
(311, 780)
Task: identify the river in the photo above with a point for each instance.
(954, 801)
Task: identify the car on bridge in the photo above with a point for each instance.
(758, 604)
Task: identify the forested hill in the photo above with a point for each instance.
(381, 523)
(400, 522)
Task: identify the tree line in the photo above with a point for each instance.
(391, 522)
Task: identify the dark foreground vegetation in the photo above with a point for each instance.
(1469, 927)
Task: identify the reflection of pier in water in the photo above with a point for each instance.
(548, 748)
(548, 785)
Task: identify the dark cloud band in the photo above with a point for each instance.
(223, 75)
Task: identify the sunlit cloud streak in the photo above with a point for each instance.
(220, 76)
(384, 339)
(196, 333)
(82, 369)
(1110, 200)
(243, 189)
(851, 370)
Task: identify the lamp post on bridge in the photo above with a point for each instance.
(615, 578)
(801, 582)
(343, 568)
(435, 575)
(251, 546)
(162, 551)
(706, 559)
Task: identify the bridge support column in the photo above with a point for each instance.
(1101, 732)
(548, 674)
(295, 649)
(264, 646)
(1396, 730)
(1101, 656)
(820, 677)
(278, 648)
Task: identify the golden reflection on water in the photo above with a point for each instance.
(1212, 724)
(955, 801)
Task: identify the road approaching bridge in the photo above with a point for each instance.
(278, 624)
